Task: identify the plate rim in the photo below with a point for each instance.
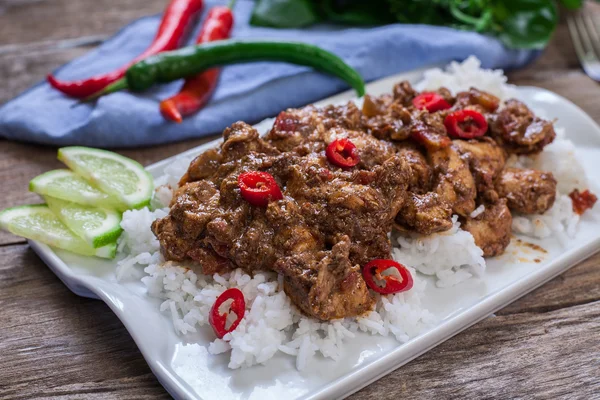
(354, 380)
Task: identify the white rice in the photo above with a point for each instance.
(462, 76)
(559, 158)
(478, 211)
(174, 171)
(451, 256)
(559, 221)
(272, 324)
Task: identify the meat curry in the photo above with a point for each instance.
(416, 160)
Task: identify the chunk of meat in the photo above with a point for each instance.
(428, 130)
(528, 191)
(182, 230)
(203, 166)
(491, 229)
(374, 106)
(453, 180)
(486, 160)
(404, 93)
(421, 172)
(269, 235)
(517, 129)
(392, 178)
(358, 204)
(327, 286)
(424, 214)
(310, 130)
(446, 94)
(394, 123)
(294, 127)
(344, 116)
(239, 140)
(371, 151)
(478, 100)
(397, 119)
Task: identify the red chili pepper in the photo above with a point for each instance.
(466, 124)
(259, 188)
(197, 90)
(582, 201)
(176, 19)
(218, 317)
(194, 95)
(387, 276)
(431, 102)
(343, 153)
(285, 122)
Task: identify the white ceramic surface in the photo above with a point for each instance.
(187, 371)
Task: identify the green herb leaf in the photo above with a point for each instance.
(526, 24)
(284, 13)
(357, 12)
(434, 12)
(572, 4)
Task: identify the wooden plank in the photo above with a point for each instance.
(56, 344)
(579, 285)
(16, 170)
(19, 71)
(542, 356)
(62, 29)
(28, 21)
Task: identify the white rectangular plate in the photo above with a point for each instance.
(187, 371)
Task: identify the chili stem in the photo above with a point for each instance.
(116, 86)
(231, 4)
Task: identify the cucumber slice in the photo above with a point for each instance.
(38, 222)
(97, 226)
(114, 174)
(66, 185)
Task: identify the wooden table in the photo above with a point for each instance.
(55, 344)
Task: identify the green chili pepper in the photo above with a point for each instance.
(188, 61)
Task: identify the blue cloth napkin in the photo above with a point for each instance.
(248, 92)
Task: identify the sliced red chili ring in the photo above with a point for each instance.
(431, 102)
(259, 188)
(466, 124)
(219, 313)
(342, 153)
(387, 276)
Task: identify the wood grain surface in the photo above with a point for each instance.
(54, 344)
